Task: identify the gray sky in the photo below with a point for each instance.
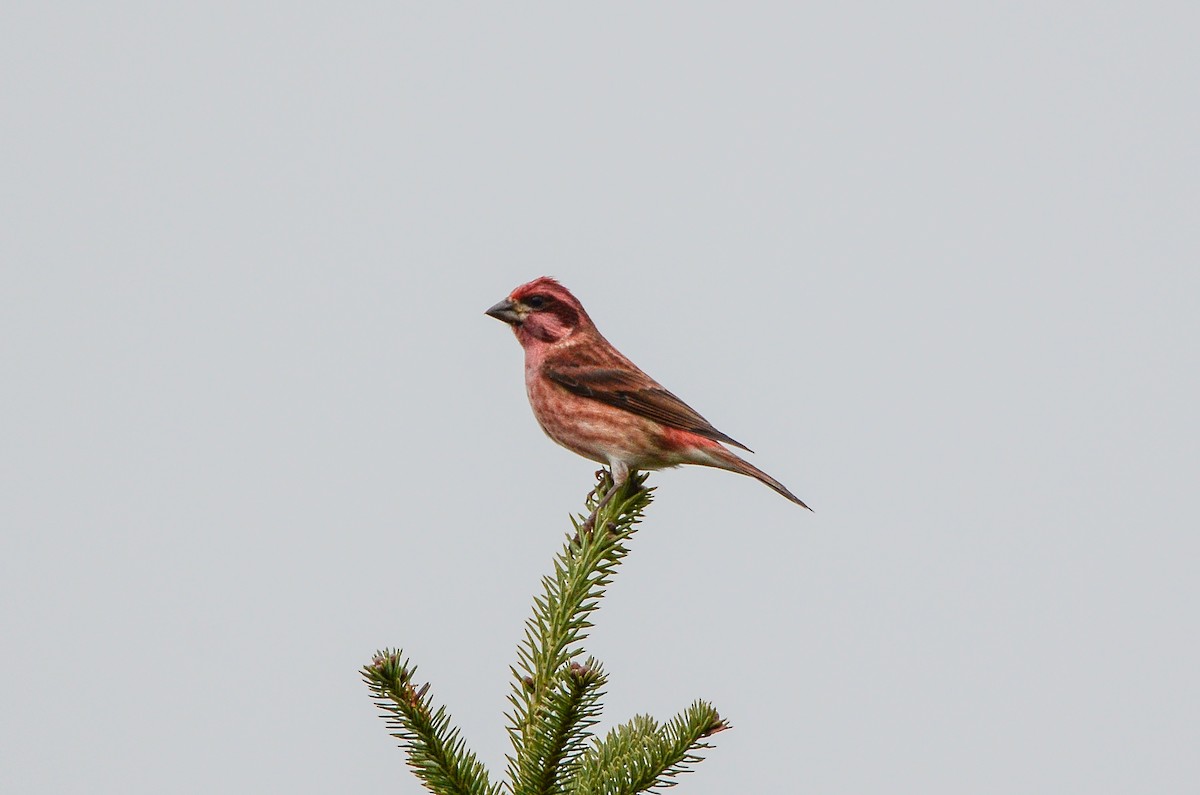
(937, 264)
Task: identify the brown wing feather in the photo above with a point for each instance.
(635, 392)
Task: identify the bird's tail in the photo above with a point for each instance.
(719, 457)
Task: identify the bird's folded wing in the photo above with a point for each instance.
(637, 393)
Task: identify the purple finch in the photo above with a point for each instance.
(593, 401)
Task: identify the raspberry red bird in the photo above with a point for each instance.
(592, 400)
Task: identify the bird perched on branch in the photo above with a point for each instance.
(595, 402)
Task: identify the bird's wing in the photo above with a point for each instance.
(635, 392)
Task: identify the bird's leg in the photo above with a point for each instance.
(620, 473)
(599, 476)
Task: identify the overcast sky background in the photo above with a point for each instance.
(937, 264)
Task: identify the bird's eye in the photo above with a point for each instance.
(535, 301)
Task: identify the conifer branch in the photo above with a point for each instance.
(436, 752)
(562, 733)
(641, 756)
(555, 699)
(551, 712)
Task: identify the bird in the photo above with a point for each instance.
(590, 398)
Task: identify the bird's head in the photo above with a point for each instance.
(542, 310)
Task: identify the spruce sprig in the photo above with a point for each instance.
(642, 756)
(544, 728)
(437, 753)
(555, 698)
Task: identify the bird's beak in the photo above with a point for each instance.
(506, 311)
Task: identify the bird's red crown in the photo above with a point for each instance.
(546, 286)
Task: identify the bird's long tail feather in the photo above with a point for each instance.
(721, 458)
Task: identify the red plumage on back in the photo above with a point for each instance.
(592, 400)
